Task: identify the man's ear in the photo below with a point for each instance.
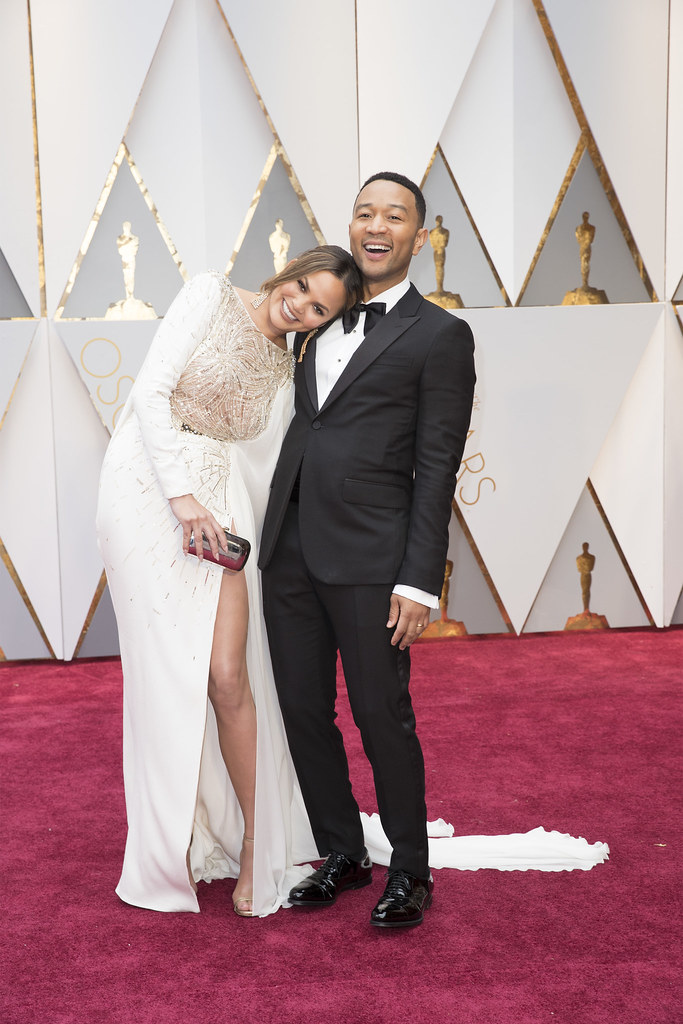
(420, 239)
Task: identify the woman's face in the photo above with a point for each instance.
(308, 302)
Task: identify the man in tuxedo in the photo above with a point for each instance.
(354, 546)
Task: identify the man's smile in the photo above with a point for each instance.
(376, 249)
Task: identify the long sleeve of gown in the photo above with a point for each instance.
(185, 325)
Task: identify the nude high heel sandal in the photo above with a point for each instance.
(244, 905)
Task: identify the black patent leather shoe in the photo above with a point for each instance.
(334, 876)
(404, 901)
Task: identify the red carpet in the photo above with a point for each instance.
(575, 732)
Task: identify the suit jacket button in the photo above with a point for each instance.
(316, 424)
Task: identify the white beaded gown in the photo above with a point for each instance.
(210, 369)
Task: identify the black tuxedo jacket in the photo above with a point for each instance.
(379, 459)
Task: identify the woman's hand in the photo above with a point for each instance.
(197, 520)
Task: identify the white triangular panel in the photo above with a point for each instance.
(628, 472)
(80, 441)
(201, 169)
(674, 190)
(15, 338)
(303, 59)
(538, 428)
(510, 138)
(613, 49)
(90, 63)
(18, 217)
(431, 46)
(673, 463)
(108, 357)
(28, 510)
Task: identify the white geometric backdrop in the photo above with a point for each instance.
(201, 122)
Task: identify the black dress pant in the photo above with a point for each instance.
(308, 622)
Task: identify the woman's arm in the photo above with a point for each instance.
(184, 326)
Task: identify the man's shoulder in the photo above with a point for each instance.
(437, 319)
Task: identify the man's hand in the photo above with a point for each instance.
(409, 617)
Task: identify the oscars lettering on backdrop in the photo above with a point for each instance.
(443, 626)
(101, 359)
(470, 467)
(585, 564)
(279, 245)
(585, 295)
(129, 308)
(438, 239)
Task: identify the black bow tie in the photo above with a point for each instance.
(374, 311)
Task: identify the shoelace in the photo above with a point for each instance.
(333, 864)
(398, 885)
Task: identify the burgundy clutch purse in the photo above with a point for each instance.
(234, 559)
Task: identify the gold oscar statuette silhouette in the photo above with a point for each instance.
(587, 619)
(129, 308)
(585, 295)
(279, 245)
(438, 239)
(443, 626)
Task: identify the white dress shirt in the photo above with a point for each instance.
(332, 353)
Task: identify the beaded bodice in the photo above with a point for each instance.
(227, 389)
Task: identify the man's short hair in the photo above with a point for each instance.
(401, 179)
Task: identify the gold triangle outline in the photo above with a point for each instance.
(277, 150)
(97, 596)
(482, 566)
(42, 287)
(677, 289)
(593, 152)
(617, 547)
(559, 199)
(619, 550)
(14, 576)
(678, 310)
(438, 150)
(122, 154)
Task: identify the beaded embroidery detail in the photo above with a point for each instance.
(227, 389)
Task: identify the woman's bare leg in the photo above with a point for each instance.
(233, 704)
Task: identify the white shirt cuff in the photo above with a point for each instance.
(430, 600)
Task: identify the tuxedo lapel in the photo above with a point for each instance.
(309, 371)
(392, 326)
(306, 357)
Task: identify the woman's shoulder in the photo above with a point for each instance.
(205, 290)
(209, 281)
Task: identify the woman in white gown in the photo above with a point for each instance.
(210, 789)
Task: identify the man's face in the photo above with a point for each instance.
(384, 234)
